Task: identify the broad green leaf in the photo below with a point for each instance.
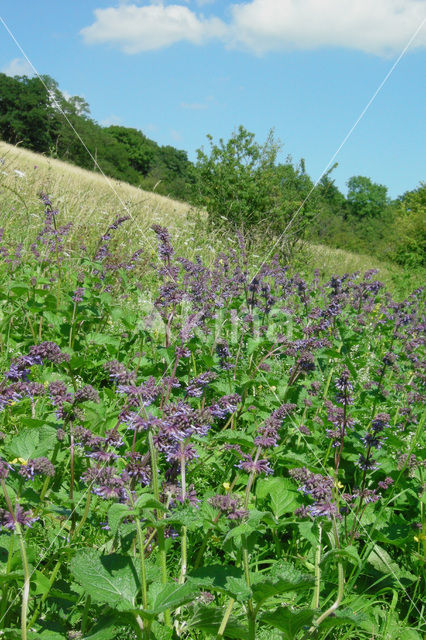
(214, 576)
(349, 553)
(106, 629)
(160, 631)
(116, 513)
(285, 578)
(381, 561)
(111, 579)
(342, 617)
(169, 596)
(283, 496)
(287, 621)
(208, 619)
(147, 501)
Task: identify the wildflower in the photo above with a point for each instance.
(21, 517)
(118, 372)
(37, 467)
(255, 466)
(78, 294)
(196, 385)
(48, 351)
(228, 504)
(86, 393)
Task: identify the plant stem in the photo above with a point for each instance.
(46, 593)
(5, 587)
(316, 596)
(336, 603)
(225, 619)
(26, 589)
(160, 515)
(184, 529)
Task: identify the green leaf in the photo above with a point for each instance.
(160, 631)
(343, 617)
(227, 579)
(284, 498)
(287, 621)
(208, 619)
(381, 561)
(397, 532)
(147, 501)
(108, 579)
(116, 513)
(280, 580)
(349, 553)
(106, 629)
(170, 596)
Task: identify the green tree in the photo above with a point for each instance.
(366, 199)
(237, 181)
(410, 228)
(26, 113)
(140, 149)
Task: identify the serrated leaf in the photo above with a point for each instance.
(287, 621)
(349, 553)
(227, 579)
(106, 629)
(147, 501)
(208, 619)
(169, 596)
(287, 578)
(111, 579)
(116, 513)
(381, 561)
(343, 617)
(283, 497)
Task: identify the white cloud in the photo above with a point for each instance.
(380, 27)
(18, 67)
(176, 135)
(110, 120)
(134, 29)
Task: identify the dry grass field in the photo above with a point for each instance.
(91, 201)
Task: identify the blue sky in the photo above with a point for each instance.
(179, 70)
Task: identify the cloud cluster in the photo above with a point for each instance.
(18, 67)
(382, 27)
(134, 29)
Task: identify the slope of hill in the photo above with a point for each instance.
(91, 201)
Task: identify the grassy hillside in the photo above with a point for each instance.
(90, 201)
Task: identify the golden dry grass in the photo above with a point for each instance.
(88, 199)
(91, 201)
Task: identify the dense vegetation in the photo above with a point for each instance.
(37, 115)
(193, 450)
(239, 181)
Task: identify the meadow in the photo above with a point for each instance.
(195, 443)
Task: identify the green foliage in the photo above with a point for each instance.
(236, 179)
(366, 199)
(36, 114)
(410, 228)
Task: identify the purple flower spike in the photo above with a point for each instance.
(23, 518)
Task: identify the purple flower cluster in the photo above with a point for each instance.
(37, 467)
(320, 488)
(269, 432)
(142, 395)
(228, 504)
(196, 385)
(118, 372)
(225, 405)
(21, 517)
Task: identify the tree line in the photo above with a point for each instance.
(36, 114)
(239, 181)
